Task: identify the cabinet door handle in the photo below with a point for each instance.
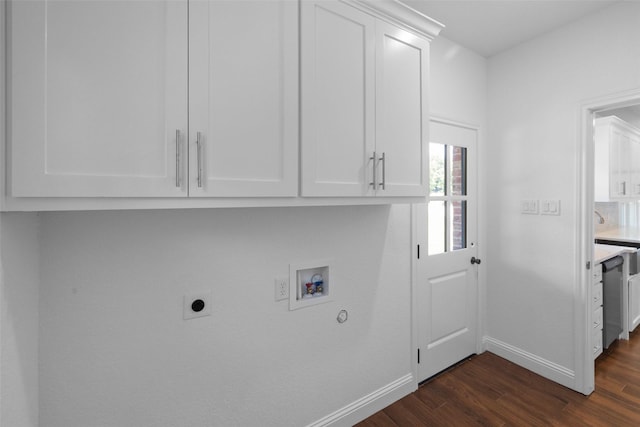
(374, 182)
(199, 158)
(384, 179)
(623, 189)
(178, 158)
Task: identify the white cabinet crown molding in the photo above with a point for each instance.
(401, 14)
(615, 120)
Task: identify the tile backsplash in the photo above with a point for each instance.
(617, 214)
(610, 211)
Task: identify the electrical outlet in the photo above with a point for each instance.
(281, 289)
(197, 305)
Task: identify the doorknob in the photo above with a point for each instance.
(475, 260)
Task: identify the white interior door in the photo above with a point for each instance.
(447, 283)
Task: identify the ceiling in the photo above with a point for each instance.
(490, 26)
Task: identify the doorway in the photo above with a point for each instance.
(584, 362)
(446, 285)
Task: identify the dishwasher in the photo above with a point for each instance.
(612, 299)
(634, 280)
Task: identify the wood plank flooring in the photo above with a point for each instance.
(487, 390)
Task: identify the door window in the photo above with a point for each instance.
(447, 207)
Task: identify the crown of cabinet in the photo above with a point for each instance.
(401, 15)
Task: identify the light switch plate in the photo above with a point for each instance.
(550, 207)
(529, 207)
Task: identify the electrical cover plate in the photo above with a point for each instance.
(189, 299)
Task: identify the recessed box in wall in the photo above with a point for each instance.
(310, 284)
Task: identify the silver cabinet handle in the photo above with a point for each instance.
(178, 158)
(374, 181)
(199, 158)
(624, 188)
(384, 179)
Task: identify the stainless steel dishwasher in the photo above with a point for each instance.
(612, 299)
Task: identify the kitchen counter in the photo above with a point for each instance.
(627, 234)
(604, 252)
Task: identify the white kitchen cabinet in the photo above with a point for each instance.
(338, 104)
(243, 98)
(617, 157)
(597, 311)
(97, 98)
(364, 101)
(634, 302)
(402, 136)
(99, 102)
(633, 161)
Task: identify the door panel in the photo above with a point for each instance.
(447, 293)
(401, 111)
(448, 304)
(634, 302)
(243, 59)
(98, 94)
(337, 86)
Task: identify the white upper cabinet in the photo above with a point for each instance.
(401, 112)
(617, 160)
(338, 104)
(109, 98)
(243, 97)
(98, 98)
(364, 99)
(114, 104)
(634, 165)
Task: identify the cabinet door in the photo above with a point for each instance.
(634, 302)
(401, 111)
(243, 77)
(338, 90)
(634, 166)
(619, 163)
(602, 163)
(98, 94)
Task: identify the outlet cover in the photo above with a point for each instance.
(281, 288)
(197, 304)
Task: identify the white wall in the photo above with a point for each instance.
(19, 319)
(458, 83)
(535, 92)
(115, 350)
(108, 345)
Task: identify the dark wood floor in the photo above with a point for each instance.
(490, 391)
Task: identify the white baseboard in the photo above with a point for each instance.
(369, 404)
(532, 362)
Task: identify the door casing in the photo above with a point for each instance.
(584, 364)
